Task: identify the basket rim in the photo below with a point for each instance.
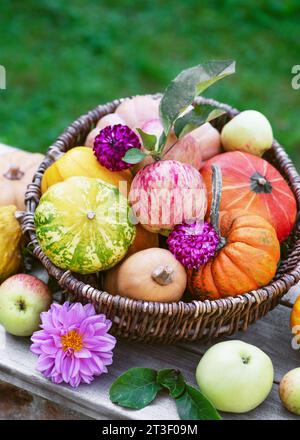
(65, 278)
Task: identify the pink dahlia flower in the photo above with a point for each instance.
(193, 244)
(111, 145)
(74, 345)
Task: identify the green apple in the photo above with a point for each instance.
(249, 131)
(235, 376)
(289, 391)
(22, 298)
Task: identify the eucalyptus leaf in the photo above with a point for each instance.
(136, 388)
(149, 140)
(134, 155)
(190, 83)
(173, 380)
(193, 405)
(195, 118)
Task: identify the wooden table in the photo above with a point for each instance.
(271, 334)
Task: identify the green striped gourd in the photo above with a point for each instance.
(82, 225)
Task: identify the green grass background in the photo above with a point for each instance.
(62, 58)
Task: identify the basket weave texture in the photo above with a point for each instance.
(167, 322)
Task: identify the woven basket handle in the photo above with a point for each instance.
(26, 220)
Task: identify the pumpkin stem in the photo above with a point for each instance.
(163, 275)
(14, 173)
(261, 181)
(91, 215)
(215, 204)
(259, 184)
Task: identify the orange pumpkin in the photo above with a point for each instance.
(247, 256)
(247, 261)
(252, 183)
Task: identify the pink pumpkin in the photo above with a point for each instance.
(138, 110)
(166, 193)
(110, 119)
(195, 147)
(153, 126)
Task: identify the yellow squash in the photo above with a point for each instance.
(10, 242)
(80, 161)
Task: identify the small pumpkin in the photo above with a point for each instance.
(143, 240)
(150, 275)
(253, 184)
(138, 110)
(81, 161)
(295, 314)
(246, 258)
(17, 169)
(110, 119)
(10, 242)
(82, 225)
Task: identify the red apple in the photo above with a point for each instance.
(166, 193)
(22, 298)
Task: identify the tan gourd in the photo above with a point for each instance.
(151, 275)
(16, 172)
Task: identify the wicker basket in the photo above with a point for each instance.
(150, 321)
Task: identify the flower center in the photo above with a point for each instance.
(72, 340)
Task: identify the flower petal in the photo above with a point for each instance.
(83, 353)
(59, 359)
(86, 367)
(89, 309)
(66, 368)
(48, 347)
(44, 363)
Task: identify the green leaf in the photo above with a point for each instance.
(161, 142)
(193, 405)
(149, 140)
(136, 388)
(190, 83)
(173, 380)
(196, 117)
(134, 155)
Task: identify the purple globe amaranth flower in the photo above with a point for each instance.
(73, 345)
(111, 145)
(193, 244)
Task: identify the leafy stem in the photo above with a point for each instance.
(216, 201)
(138, 387)
(174, 106)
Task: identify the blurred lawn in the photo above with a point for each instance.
(61, 59)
